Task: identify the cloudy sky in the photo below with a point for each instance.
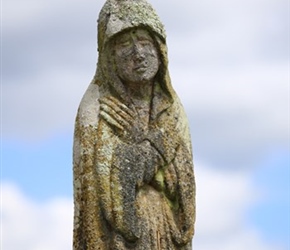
(229, 63)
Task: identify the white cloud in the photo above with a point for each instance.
(227, 61)
(237, 114)
(27, 224)
(223, 200)
(44, 106)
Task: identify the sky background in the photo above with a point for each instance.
(229, 63)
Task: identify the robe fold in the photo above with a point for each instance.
(147, 203)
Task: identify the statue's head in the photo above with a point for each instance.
(127, 31)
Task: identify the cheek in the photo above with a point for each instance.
(152, 55)
(153, 61)
(123, 63)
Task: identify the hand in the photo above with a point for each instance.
(122, 119)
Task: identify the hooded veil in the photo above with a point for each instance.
(137, 195)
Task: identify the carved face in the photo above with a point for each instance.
(136, 57)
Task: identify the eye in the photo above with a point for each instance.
(123, 40)
(145, 41)
(123, 43)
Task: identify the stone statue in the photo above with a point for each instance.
(134, 185)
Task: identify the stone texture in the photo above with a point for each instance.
(134, 184)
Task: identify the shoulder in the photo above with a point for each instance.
(89, 106)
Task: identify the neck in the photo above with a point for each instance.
(141, 91)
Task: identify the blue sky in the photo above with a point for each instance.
(42, 170)
(229, 63)
(272, 214)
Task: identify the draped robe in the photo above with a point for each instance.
(137, 195)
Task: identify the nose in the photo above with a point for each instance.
(138, 51)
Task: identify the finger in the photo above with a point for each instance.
(121, 106)
(110, 120)
(117, 109)
(114, 115)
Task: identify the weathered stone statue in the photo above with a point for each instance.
(134, 185)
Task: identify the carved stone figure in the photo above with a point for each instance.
(134, 185)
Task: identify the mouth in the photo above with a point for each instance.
(141, 68)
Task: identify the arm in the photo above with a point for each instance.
(125, 163)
